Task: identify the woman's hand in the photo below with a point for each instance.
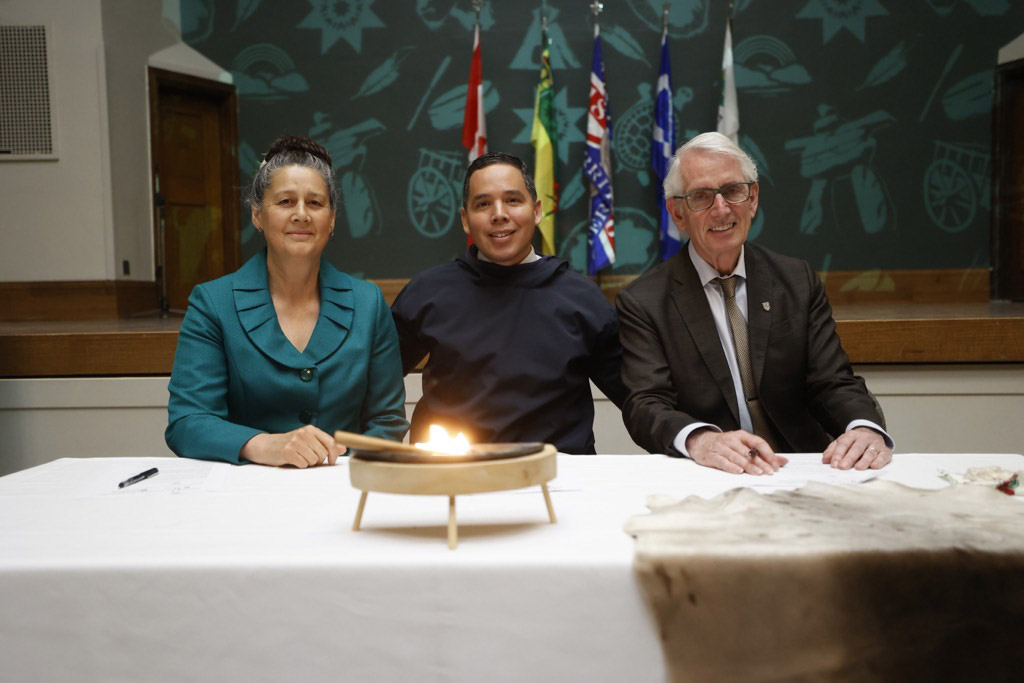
(303, 447)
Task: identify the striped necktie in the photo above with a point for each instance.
(762, 426)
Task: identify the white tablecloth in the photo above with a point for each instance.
(210, 571)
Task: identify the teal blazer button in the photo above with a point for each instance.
(306, 374)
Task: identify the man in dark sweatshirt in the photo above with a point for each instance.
(513, 338)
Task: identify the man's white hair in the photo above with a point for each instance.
(714, 143)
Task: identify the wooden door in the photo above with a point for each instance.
(195, 175)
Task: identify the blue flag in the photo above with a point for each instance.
(597, 164)
(663, 146)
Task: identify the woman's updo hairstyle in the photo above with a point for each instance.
(289, 150)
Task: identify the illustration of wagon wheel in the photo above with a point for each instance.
(949, 195)
(431, 202)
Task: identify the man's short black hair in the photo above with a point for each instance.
(497, 158)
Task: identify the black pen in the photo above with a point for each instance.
(141, 476)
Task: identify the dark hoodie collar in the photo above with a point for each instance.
(524, 275)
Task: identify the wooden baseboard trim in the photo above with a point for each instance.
(75, 300)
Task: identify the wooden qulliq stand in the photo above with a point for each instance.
(453, 479)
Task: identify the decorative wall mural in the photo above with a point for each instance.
(887, 68)
(447, 109)
(341, 20)
(434, 195)
(971, 96)
(621, 40)
(872, 118)
(632, 142)
(348, 151)
(434, 14)
(956, 183)
(197, 20)
(248, 162)
(266, 73)
(766, 66)
(572, 191)
(636, 242)
(841, 151)
(243, 10)
(528, 55)
(985, 8)
(567, 120)
(442, 67)
(686, 18)
(836, 15)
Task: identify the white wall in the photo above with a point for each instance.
(132, 30)
(81, 216)
(929, 409)
(55, 223)
(1012, 51)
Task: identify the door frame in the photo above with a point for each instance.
(1007, 149)
(160, 81)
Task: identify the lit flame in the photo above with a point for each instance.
(440, 442)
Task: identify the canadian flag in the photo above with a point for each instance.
(474, 127)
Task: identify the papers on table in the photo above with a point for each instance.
(801, 469)
(176, 476)
(64, 477)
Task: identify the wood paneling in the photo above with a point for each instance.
(889, 333)
(918, 316)
(89, 300)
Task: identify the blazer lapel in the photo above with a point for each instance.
(692, 305)
(337, 307)
(760, 287)
(257, 316)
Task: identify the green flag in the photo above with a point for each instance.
(544, 138)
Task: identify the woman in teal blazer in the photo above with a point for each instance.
(276, 356)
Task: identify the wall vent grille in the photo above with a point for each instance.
(26, 109)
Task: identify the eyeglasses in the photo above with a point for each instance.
(702, 200)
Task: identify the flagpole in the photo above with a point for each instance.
(597, 7)
(728, 110)
(474, 124)
(544, 140)
(597, 163)
(663, 142)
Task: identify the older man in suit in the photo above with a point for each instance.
(730, 350)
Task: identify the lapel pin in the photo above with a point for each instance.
(766, 306)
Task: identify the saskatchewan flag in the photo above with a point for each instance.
(544, 138)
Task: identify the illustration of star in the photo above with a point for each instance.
(837, 14)
(341, 19)
(567, 120)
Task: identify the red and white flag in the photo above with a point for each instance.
(474, 127)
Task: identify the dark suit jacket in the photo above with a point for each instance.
(675, 369)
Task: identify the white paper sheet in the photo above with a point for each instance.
(802, 468)
(64, 477)
(176, 476)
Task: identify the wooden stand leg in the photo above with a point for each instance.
(453, 532)
(359, 511)
(547, 501)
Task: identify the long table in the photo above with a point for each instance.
(218, 572)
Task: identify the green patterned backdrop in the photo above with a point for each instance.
(870, 120)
